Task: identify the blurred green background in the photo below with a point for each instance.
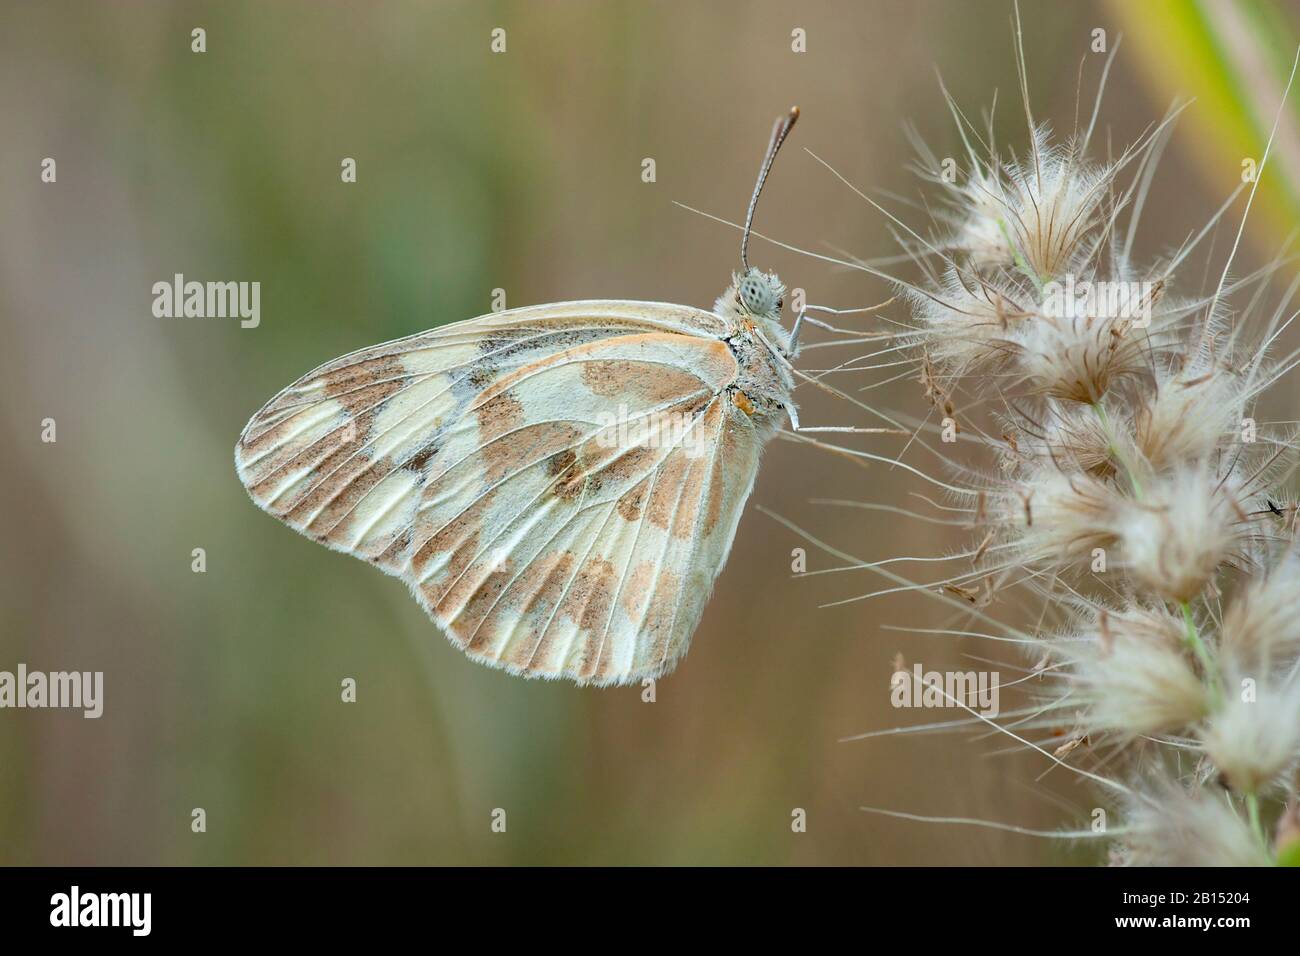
(476, 171)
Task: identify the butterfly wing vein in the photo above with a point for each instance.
(559, 486)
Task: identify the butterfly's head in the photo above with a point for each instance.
(755, 297)
(753, 294)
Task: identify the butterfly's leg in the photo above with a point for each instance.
(804, 317)
(800, 319)
(851, 429)
(805, 429)
(794, 332)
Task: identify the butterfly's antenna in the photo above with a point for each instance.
(780, 131)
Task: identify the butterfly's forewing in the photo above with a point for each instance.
(559, 485)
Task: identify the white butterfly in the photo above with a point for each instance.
(479, 462)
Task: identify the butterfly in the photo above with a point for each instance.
(559, 485)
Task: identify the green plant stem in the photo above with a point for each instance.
(1252, 808)
(1203, 655)
(1020, 259)
(1104, 419)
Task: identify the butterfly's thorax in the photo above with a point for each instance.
(761, 347)
(762, 386)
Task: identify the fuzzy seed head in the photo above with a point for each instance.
(981, 233)
(1254, 740)
(1190, 415)
(1177, 827)
(1076, 441)
(967, 324)
(1057, 519)
(1131, 675)
(1044, 208)
(1077, 359)
(1176, 537)
(1261, 627)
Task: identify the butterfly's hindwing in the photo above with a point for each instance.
(559, 486)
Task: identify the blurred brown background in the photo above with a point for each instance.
(475, 171)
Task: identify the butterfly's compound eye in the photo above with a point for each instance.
(757, 295)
